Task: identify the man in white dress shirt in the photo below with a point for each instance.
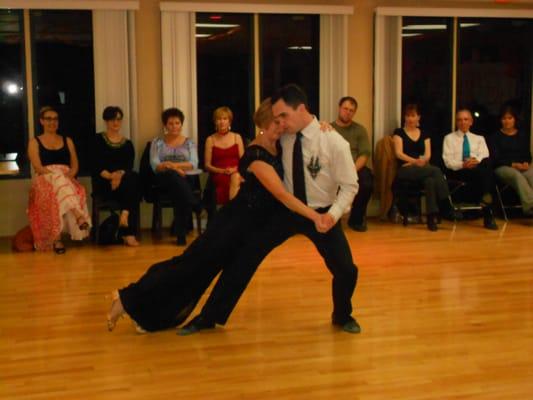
(466, 157)
(328, 179)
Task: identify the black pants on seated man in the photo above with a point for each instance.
(332, 246)
(480, 181)
(360, 202)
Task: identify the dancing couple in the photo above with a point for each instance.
(297, 179)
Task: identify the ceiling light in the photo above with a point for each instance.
(431, 27)
(300, 48)
(216, 26)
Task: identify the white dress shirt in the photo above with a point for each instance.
(336, 183)
(452, 149)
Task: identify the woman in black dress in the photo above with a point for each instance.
(168, 292)
(112, 173)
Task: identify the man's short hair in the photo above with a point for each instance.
(292, 95)
(350, 99)
(464, 109)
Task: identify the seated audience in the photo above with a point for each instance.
(512, 158)
(113, 175)
(357, 136)
(466, 157)
(413, 151)
(223, 149)
(171, 157)
(57, 201)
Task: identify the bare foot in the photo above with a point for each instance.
(115, 312)
(130, 241)
(123, 221)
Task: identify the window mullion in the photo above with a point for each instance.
(28, 73)
(455, 60)
(257, 63)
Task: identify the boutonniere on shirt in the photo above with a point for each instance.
(314, 166)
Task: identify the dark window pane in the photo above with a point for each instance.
(63, 73)
(224, 72)
(427, 74)
(495, 68)
(13, 129)
(289, 54)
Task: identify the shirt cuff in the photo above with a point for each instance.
(336, 212)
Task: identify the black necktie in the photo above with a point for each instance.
(298, 178)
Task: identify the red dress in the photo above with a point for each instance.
(223, 158)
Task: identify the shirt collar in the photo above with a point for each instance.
(311, 130)
(460, 133)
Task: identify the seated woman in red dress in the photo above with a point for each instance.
(223, 149)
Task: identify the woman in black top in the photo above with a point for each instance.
(512, 158)
(57, 201)
(113, 175)
(413, 151)
(167, 293)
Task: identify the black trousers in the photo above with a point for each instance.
(127, 195)
(332, 246)
(360, 202)
(180, 190)
(480, 179)
(431, 179)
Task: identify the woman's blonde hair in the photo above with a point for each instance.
(45, 109)
(222, 111)
(263, 116)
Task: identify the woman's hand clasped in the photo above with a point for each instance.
(116, 178)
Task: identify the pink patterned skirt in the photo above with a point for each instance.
(53, 197)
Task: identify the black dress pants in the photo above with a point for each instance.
(431, 179)
(332, 246)
(480, 179)
(127, 195)
(361, 199)
(181, 193)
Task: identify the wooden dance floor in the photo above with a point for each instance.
(445, 315)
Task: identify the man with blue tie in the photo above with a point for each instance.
(466, 157)
(319, 170)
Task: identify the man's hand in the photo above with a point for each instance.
(325, 223)
(470, 163)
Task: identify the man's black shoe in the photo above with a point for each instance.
(488, 219)
(362, 227)
(181, 240)
(351, 326)
(195, 325)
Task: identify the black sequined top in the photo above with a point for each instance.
(252, 192)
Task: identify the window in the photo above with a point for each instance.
(289, 54)
(225, 71)
(444, 61)
(63, 74)
(13, 128)
(288, 48)
(495, 68)
(427, 70)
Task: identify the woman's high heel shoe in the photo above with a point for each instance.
(59, 247)
(115, 312)
(82, 224)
